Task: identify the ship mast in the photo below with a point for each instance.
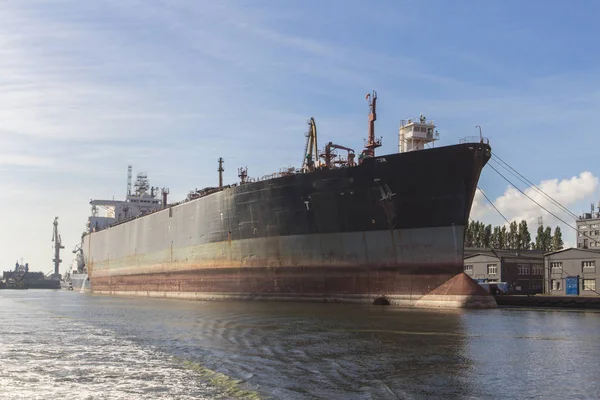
(57, 246)
(372, 143)
(129, 167)
(220, 172)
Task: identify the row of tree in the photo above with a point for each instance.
(517, 236)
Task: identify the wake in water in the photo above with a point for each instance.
(48, 357)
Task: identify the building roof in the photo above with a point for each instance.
(572, 248)
(504, 253)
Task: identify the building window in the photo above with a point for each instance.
(588, 264)
(589, 284)
(537, 269)
(556, 265)
(555, 284)
(523, 269)
(469, 269)
(536, 285)
(492, 269)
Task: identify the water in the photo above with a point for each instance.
(63, 343)
(82, 289)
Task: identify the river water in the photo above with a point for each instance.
(57, 344)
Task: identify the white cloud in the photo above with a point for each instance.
(566, 192)
(516, 206)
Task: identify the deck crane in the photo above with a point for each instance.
(311, 154)
(328, 155)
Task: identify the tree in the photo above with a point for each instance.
(480, 234)
(517, 236)
(496, 239)
(487, 236)
(469, 235)
(547, 239)
(543, 240)
(503, 237)
(475, 233)
(524, 236)
(513, 236)
(539, 238)
(557, 242)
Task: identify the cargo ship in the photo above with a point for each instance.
(386, 229)
(22, 278)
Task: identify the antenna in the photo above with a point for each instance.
(142, 184)
(540, 221)
(243, 174)
(129, 180)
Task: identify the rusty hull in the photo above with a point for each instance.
(392, 226)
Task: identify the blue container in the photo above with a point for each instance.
(572, 286)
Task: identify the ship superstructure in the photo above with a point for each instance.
(416, 134)
(139, 202)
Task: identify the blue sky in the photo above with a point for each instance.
(87, 88)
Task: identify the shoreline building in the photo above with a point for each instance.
(572, 272)
(588, 229)
(522, 270)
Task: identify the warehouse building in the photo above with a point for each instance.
(573, 271)
(521, 270)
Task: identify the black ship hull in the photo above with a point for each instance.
(392, 228)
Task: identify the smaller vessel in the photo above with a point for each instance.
(77, 277)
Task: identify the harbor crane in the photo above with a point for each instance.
(57, 247)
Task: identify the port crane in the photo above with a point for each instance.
(57, 247)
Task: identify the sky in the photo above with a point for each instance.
(88, 88)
